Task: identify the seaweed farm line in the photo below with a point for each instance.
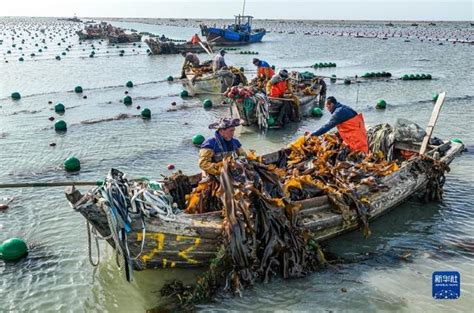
(389, 271)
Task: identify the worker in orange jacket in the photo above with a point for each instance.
(264, 70)
(350, 125)
(195, 39)
(278, 85)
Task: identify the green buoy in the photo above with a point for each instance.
(129, 84)
(127, 100)
(316, 112)
(72, 164)
(78, 89)
(184, 94)
(347, 81)
(60, 125)
(16, 96)
(333, 78)
(381, 104)
(435, 97)
(271, 121)
(198, 139)
(170, 78)
(21, 59)
(456, 140)
(13, 249)
(59, 108)
(242, 69)
(146, 113)
(207, 104)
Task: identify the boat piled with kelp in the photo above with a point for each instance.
(324, 188)
(107, 31)
(158, 47)
(256, 109)
(204, 80)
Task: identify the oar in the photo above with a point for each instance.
(432, 122)
(205, 49)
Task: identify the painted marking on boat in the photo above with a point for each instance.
(159, 239)
(160, 242)
(184, 253)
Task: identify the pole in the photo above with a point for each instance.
(243, 9)
(432, 122)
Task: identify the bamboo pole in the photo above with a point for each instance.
(59, 184)
(220, 94)
(51, 184)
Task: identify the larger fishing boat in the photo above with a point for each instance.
(238, 33)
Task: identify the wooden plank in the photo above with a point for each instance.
(432, 122)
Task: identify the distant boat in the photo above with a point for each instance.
(239, 33)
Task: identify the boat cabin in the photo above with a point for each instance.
(242, 23)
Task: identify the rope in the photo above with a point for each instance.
(94, 264)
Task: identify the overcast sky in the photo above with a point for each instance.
(270, 9)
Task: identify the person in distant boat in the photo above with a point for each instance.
(195, 39)
(279, 85)
(214, 149)
(190, 60)
(322, 93)
(350, 125)
(219, 63)
(264, 70)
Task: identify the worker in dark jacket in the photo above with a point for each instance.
(190, 60)
(350, 125)
(214, 149)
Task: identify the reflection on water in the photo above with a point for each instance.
(389, 271)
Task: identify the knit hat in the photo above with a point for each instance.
(225, 123)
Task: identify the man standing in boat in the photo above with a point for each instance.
(190, 60)
(279, 85)
(264, 74)
(264, 70)
(214, 149)
(350, 125)
(322, 93)
(195, 39)
(279, 88)
(218, 63)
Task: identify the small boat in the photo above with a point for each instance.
(278, 111)
(239, 33)
(168, 47)
(192, 240)
(210, 82)
(275, 111)
(123, 37)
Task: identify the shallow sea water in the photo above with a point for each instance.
(57, 276)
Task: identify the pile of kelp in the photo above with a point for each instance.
(262, 235)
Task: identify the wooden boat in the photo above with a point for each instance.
(122, 37)
(250, 118)
(193, 240)
(209, 82)
(167, 47)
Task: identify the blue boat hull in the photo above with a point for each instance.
(221, 36)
